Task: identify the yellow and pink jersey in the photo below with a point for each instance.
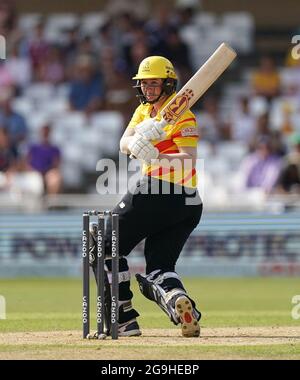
(183, 134)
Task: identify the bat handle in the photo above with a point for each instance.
(132, 156)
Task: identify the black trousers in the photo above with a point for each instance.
(162, 213)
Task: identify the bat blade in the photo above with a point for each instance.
(200, 82)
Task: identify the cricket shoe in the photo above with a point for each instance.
(189, 324)
(130, 328)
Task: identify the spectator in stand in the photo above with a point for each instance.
(19, 68)
(70, 47)
(160, 24)
(136, 47)
(14, 174)
(266, 79)
(104, 38)
(86, 48)
(119, 94)
(278, 143)
(7, 15)
(6, 79)
(8, 159)
(44, 158)
(51, 70)
(157, 29)
(8, 155)
(262, 128)
(289, 177)
(38, 47)
(138, 51)
(178, 53)
(186, 14)
(124, 26)
(242, 123)
(261, 168)
(15, 123)
(210, 128)
(290, 119)
(87, 90)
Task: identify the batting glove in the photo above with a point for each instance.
(151, 129)
(142, 149)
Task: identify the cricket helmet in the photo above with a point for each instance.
(156, 67)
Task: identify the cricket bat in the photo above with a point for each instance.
(199, 83)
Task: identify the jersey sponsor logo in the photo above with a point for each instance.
(189, 132)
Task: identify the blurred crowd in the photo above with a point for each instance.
(265, 118)
(97, 69)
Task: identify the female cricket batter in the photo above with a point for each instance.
(164, 207)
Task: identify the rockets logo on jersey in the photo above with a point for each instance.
(178, 106)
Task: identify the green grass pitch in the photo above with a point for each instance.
(230, 309)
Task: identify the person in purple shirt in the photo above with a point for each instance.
(45, 158)
(261, 168)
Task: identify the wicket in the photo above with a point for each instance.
(107, 297)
